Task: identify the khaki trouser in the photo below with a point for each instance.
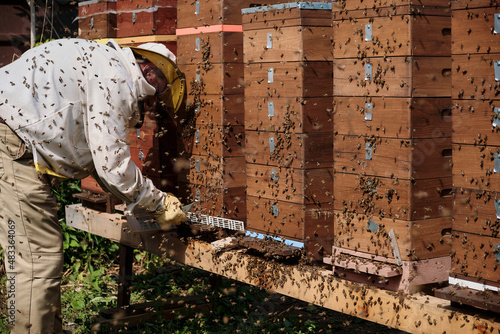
(31, 239)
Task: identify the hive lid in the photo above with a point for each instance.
(290, 5)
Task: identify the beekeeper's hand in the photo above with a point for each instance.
(171, 214)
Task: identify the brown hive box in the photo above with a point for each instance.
(476, 212)
(476, 167)
(393, 117)
(311, 150)
(474, 77)
(476, 258)
(206, 48)
(217, 78)
(144, 18)
(97, 19)
(392, 157)
(474, 31)
(290, 184)
(216, 173)
(393, 198)
(214, 201)
(215, 109)
(294, 115)
(476, 122)
(374, 33)
(300, 222)
(291, 79)
(216, 141)
(201, 13)
(416, 239)
(393, 77)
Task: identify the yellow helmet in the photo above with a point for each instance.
(161, 57)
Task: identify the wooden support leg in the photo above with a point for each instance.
(125, 275)
(215, 281)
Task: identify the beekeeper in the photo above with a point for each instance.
(65, 110)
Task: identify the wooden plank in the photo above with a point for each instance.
(475, 257)
(474, 77)
(391, 157)
(209, 48)
(312, 150)
(300, 43)
(218, 78)
(295, 185)
(168, 40)
(295, 115)
(418, 313)
(416, 239)
(407, 35)
(472, 31)
(216, 141)
(289, 220)
(293, 79)
(485, 300)
(474, 211)
(219, 202)
(219, 173)
(473, 167)
(392, 197)
(393, 117)
(393, 77)
(473, 122)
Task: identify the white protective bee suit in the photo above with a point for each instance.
(66, 107)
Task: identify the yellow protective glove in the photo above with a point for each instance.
(171, 214)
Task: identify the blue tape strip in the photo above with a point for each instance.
(286, 241)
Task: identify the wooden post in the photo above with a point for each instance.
(125, 275)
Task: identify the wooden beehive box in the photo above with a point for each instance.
(215, 201)
(217, 109)
(209, 13)
(146, 17)
(97, 19)
(392, 133)
(203, 46)
(476, 147)
(287, 52)
(210, 54)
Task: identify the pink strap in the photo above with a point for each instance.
(206, 29)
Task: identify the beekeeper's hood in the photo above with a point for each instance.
(164, 59)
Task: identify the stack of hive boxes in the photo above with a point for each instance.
(392, 144)
(210, 54)
(476, 143)
(153, 146)
(288, 129)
